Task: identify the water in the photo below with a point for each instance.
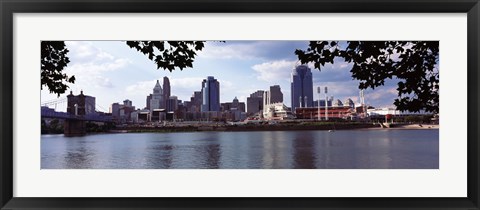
(352, 149)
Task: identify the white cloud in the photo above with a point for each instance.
(96, 67)
(192, 83)
(233, 51)
(141, 88)
(89, 63)
(275, 70)
(86, 51)
(80, 49)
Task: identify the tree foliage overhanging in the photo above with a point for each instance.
(54, 60)
(413, 63)
(169, 54)
(166, 54)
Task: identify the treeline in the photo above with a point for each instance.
(99, 128)
(55, 126)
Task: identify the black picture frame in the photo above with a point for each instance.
(10, 7)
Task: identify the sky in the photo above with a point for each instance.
(112, 72)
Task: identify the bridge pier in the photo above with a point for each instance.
(74, 128)
(76, 107)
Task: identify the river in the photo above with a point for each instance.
(342, 149)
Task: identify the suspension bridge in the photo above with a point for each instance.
(78, 110)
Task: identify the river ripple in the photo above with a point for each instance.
(343, 149)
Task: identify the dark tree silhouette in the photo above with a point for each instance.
(166, 54)
(54, 60)
(169, 54)
(414, 63)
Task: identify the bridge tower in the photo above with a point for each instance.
(75, 107)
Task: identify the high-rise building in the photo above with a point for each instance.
(127, 103)
(301, 87)
(195, 102)
(276, 94)
(157, 97)
(172, 104)
(122, 112)
(211, 95)
(115, 110)
(156, 100)
(166, 89)
(149, 97)
(255, 102)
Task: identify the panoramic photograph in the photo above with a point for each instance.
(238, 104)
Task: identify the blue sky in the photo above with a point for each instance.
(113, 72)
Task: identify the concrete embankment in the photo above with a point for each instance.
(416, 126)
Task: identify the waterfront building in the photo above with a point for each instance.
(115, 110)
(301, 87)
(393, 115)
(140, 116)
(276, 111)
(339, 112)
(233, 111)
(211, 95)
(234, 105)
(393, 111)
(255, 102)
(144, 116)
(122, 112)
(337, 103)
(349, 103)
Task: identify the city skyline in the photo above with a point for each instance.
(112, 72)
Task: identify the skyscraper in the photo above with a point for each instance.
(172, 103)
(301, 87)
(211, 95)
(156, 100)
(255, 102)
(166, 90)
(276, 95)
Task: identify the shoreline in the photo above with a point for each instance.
(244, 128)
(275, 127)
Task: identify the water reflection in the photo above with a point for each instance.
(304, 150)
(363, 149)
(78, 155)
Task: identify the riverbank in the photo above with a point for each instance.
(272, 127)
(253, 127)
(416, 126)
